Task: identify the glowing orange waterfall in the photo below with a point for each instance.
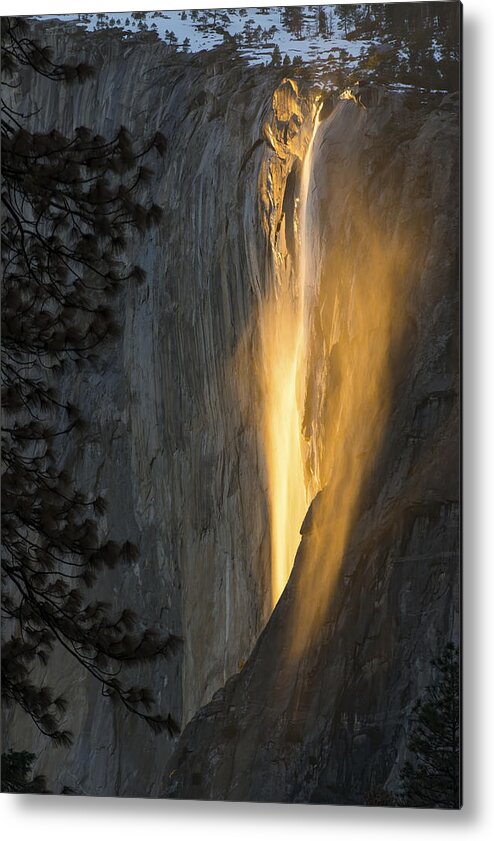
(350, 282)
(283, 324)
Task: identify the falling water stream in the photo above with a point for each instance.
(284, 328)
(306, 279)
(350, 269)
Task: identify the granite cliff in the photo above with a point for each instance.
(310, 701)
(320, 713)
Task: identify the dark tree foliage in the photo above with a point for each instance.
(293, 18)
(17, 774)
(432, 778)
(418, 42)
(68, 207)
(322, 21)
(276, 56)
(345, 14)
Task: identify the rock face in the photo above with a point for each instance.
(319, 710)
(173, 440)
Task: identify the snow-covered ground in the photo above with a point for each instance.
(310, 45)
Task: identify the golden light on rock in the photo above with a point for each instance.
(319, 349)
(326, 343)
(360, 319)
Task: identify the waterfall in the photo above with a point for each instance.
(306, 278)
(283, 334)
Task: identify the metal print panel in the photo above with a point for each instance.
(230, 245)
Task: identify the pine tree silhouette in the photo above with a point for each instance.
(17, 774)
(69, 205)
